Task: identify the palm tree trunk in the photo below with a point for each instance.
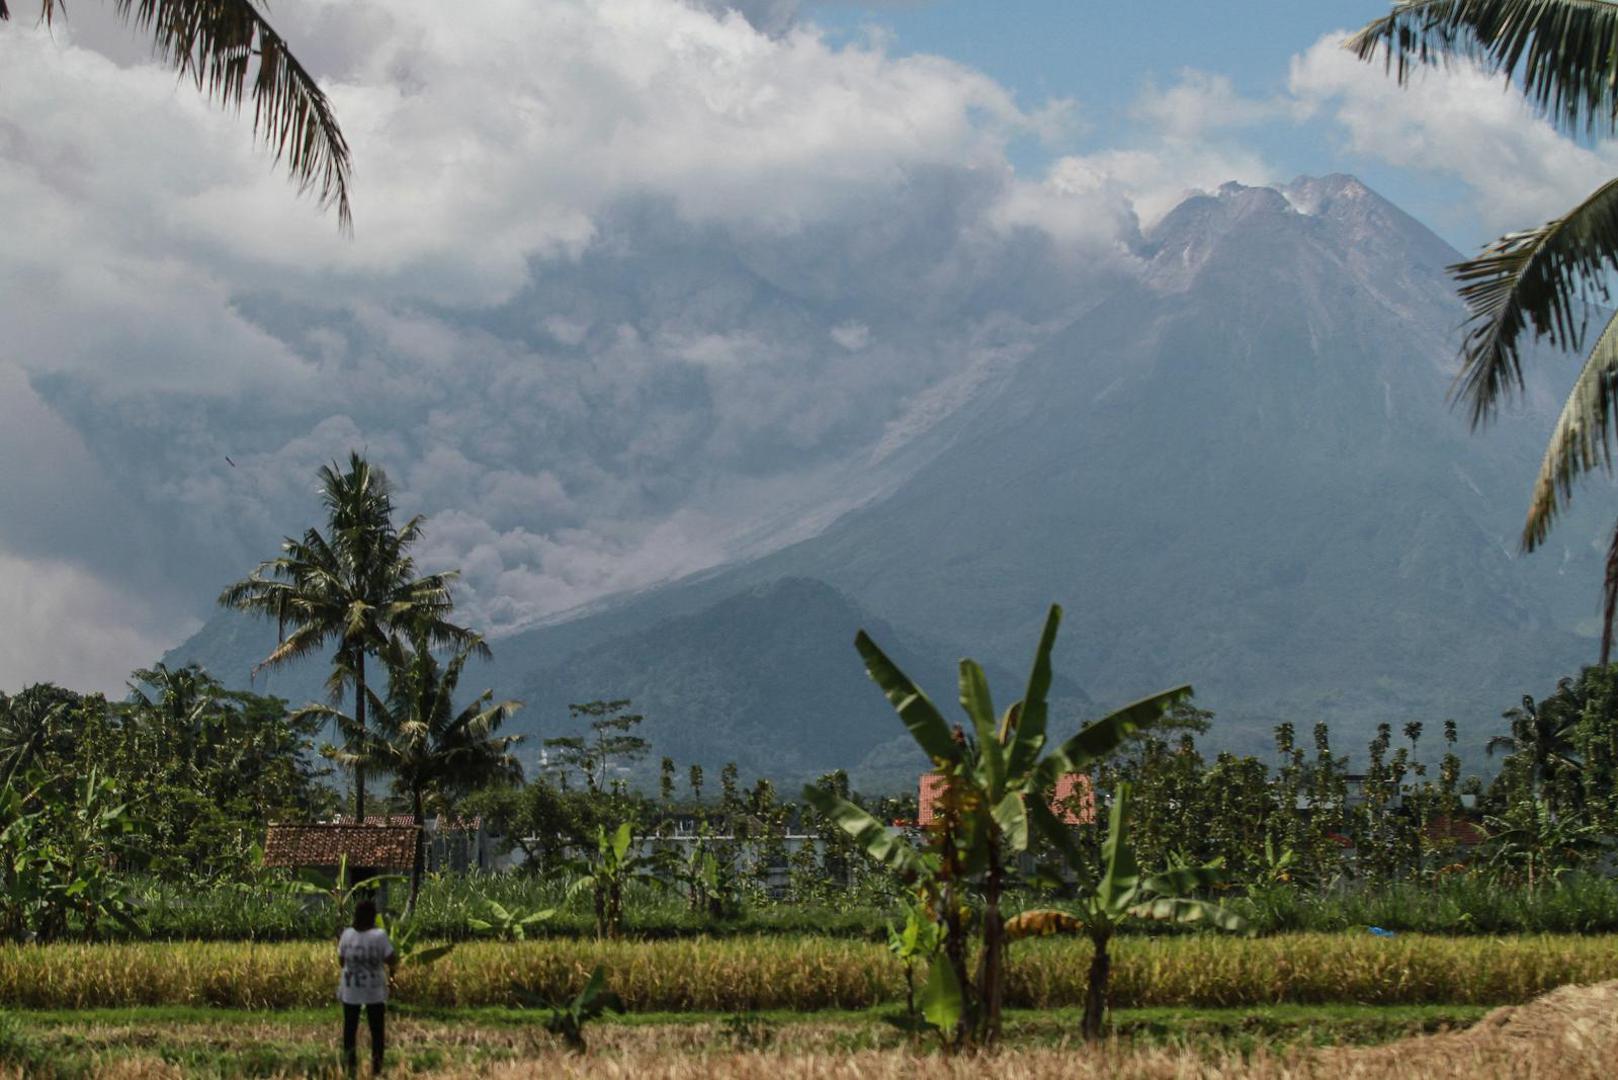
(1095, 996)
(416, 864)
(359, 733)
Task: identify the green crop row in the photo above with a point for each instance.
(807, 973)
(1455, 905)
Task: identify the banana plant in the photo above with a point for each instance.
(568, 1018)
(612, 866)
(709, 881)
(339, 889)
(919, 940)
(508, 924)
(997, 782)
(1122, 893)
(411, 950)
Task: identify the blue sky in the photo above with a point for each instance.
(1104, 56)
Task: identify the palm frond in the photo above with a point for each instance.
(304, 640)
(1582, 438)
(220, 44)
(1500, 742)
(1539, 280)
(1564, 53)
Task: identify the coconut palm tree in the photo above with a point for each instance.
(431, 748)
(186, 707)
(33, 722)
(1541, 283)
(230, 50)
(1542, 740)
(355, 585)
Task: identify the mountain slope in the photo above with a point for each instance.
(1235, 467)
(769, 678)
(1244, 474)
(1239, 471)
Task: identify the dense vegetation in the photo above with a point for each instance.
(157, 806)
(139, 821)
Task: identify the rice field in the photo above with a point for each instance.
(810, 973)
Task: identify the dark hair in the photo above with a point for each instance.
(365, 914)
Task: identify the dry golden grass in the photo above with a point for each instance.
(1570, 1034)
(808, 974)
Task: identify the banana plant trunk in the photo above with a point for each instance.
(615, 909)
(955, 945)
(992, 970)
(1095, 997)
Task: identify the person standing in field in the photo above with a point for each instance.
(367, 958)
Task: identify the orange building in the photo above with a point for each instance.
(1073, 802)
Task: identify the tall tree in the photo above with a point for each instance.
(33, 722)
(232, 53)
(611, 745)
(1541, 283)
(355, 585)
(432, 749)
(1541, 741)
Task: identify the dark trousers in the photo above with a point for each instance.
(351, 1028)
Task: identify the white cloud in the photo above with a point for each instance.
(635, 287)
(852, 336)
(474, 153)
(1455, 122)
(1188, 137)
(66, 625)
(632, 286)
(1200, 103)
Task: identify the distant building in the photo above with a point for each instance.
(1457, 832)
(381, 844)
(1073, 802)
(367, 849)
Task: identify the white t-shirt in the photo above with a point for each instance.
(364, 954)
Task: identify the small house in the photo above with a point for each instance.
(376, 847)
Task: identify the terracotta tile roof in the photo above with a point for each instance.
(441, 822)
(1073, 802)
(406, 820)
(381, 847)
(458, 824)
(1455, 830)
(932, 788)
